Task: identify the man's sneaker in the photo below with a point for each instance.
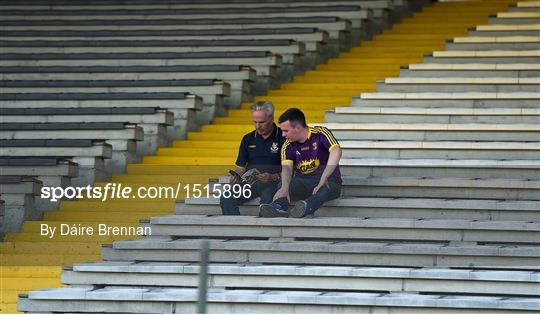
(268, 211)
(299, 209)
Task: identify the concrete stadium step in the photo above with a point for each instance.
(260, 61)
(68, 6)
(494, 43)
(357, 229)
(435, 132)
(484, 56)
(336, 27)
(311, 37)
(289, 50)
(135, 115)
(505, 30)
(343, 11)
(479, 66)
(153, 121)
(90, 155)
(440, 149)
(18, 194)
(409, 208)
(399, 132)
(45, 167)
(211, 91)
(98, 131)
(398, 187)
(240, 78)
(196, 86)
(433, 187)
(442, 168)
(327, 278)
(122, 136)
(419, 254)
(458, 100)
(392, 149)
(438, 115)
(183, 106)
(514, 18)
(55, 148)
(442, 73)
(221, 301)
(402, 86)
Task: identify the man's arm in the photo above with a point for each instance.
(286, 175)
(333, 161)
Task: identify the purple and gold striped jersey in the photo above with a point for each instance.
(311, 157)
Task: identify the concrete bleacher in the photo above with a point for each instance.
(51, 171)
(239, 78)
(439, 211)
(17, 193)
(154, 121)
(122, 136)
(90, 155)
(211, 91)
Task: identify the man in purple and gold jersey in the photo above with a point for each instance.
(312, 154)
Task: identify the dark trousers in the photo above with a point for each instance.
(301, 188)
(229, 206)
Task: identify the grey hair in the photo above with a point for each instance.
(269, 107)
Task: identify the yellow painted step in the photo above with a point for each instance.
(165, 180)
(173, 160)
(336, 80)
(354, 60)
(30, 271)
(61, 226)
(48, 247)
(244, 116)
(8, 308)
(281, 101)
(23, 284)
(349, 87)
(11, 296)
(119, 205)
(320, 103)
(218, 152)
(242, 129)
(120, 216)
(238, 120)
(36, 237)
(157, 169)
(206, 144)
(46, 259)
(367, 73)
(323, 93)
(359, 68)
(125, 178)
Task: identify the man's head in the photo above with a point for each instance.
(293, 125)
(262, 114)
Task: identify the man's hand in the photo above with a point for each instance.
(233, 180)
(322, 183)
(282, 193)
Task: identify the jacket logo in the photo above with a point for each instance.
(274, 148)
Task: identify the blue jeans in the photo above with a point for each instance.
(229, 206)
(301, 188)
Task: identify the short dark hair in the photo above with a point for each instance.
(294, 116)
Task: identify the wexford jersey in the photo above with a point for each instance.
(311, 157)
